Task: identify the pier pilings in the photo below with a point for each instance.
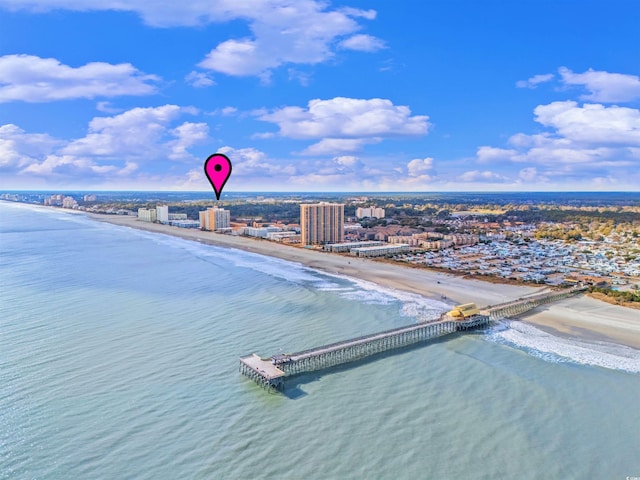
(271, 372)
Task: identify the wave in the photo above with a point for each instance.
(551, 348)
(410, 305)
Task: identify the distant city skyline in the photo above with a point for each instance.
(311, 96)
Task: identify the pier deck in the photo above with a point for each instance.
(271, 372)
(263, 372)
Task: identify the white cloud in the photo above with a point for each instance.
(199, 79)
(342, 117)
(112, 150)
(531, 175)
(487, 154)
(60, 166)
(484, 176)
(591, 123)
(187, 135)
(139, 132)
(19, 149)
(603, 86)
(362, 43)
(282, 31)
(33, 79)
(534, 81)
(229, 111)
(332, 146)
(355, 12)
(347, 161)
(251, 162)
(344, 125)
(303, 78)
(582, 142)
(417, 166)
(105, 107)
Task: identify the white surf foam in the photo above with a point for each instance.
(552, 348)
(411, 305)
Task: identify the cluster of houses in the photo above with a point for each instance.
(542, 261)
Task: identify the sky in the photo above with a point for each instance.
(309, 95)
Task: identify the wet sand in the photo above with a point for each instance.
(583, 317)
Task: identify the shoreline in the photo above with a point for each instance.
(583, 318)
(430, 284)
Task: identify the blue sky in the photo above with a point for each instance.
(303, 95)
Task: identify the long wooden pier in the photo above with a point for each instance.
(271, 372)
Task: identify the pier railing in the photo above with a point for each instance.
(271, 372)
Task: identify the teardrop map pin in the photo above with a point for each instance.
(217, 168)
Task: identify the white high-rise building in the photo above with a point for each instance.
(162, 213)
(215, 219)
(69, 202)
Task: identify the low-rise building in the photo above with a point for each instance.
(369, 212)
(379, 251)
(346, 247)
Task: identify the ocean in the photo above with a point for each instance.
(119, 360)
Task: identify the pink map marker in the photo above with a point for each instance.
(217, 168)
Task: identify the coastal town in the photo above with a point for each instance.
(485, 241)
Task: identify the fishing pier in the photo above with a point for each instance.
(271, 372)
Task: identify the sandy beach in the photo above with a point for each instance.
(586, 318)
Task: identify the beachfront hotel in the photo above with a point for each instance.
(215, 219)
(147, 214)
(322, 223)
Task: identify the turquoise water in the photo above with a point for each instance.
(119, 359)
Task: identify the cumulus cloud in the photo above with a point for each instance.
(603, 86)
(347, 161)
(342, 117)
(139, 132)
(251, 162)
(591, 124)
(187, 135)
(578, 134)
(199, 79)
(531, 175)
(33, 79)
(580, 143)
(282, 31)
(362, 43)
(417, 166)
(534, 81)
(114, 147)
(19, 149)
(488, 154)
(346, 124)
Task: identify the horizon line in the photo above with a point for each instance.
(319, 192)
